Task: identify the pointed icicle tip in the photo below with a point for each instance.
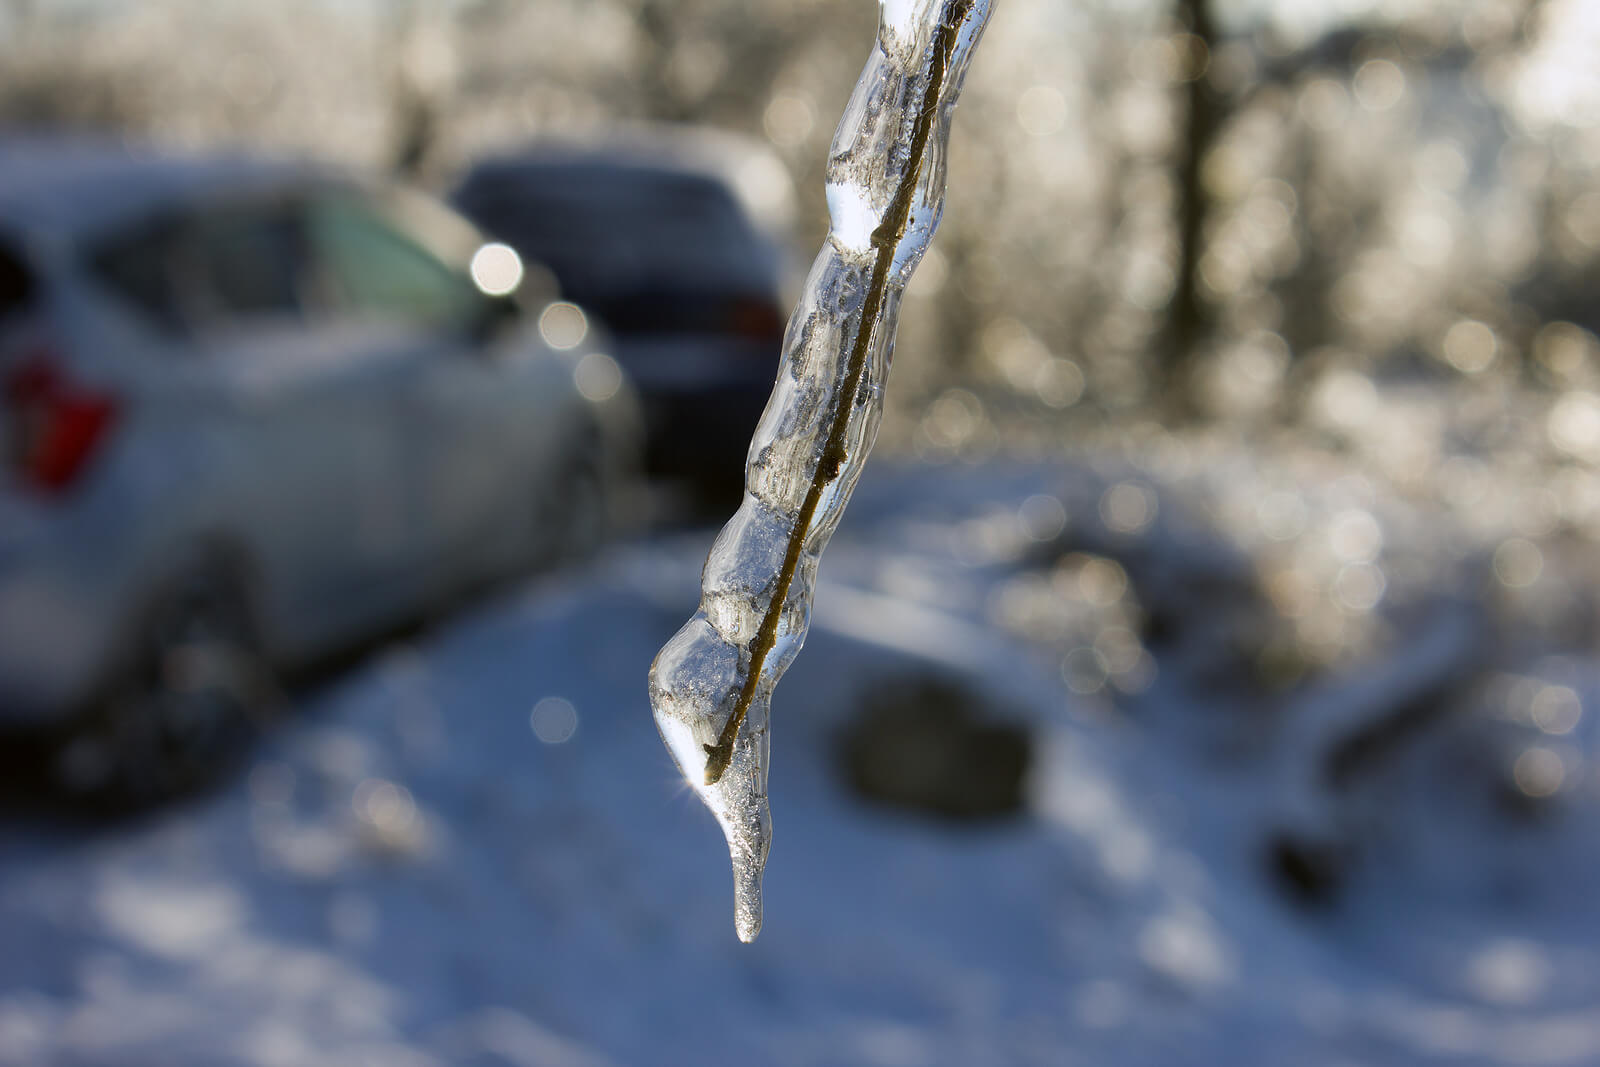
(747, 824)
(746, 899)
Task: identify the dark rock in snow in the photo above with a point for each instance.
(933, 745)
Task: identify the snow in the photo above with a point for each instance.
(474, 850)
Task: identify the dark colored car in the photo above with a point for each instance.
(659, 246)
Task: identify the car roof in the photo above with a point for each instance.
(576, 157)
(591, 173)
(606, 181)
(645, 151)
(69, 186)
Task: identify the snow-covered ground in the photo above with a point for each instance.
(474, 851)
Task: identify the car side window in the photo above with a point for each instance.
(370, 269)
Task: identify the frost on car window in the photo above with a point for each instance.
(711, 685)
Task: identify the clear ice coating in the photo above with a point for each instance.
(711, 684)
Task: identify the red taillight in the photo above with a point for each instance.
(55, 424)
(757, 319)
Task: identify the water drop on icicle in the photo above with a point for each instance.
(711, 685)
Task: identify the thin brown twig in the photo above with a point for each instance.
(886, 238)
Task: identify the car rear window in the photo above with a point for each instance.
(624, 220)
(17, 282)
(136, 265)
(208, 269)
(245, 262)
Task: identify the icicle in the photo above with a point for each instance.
(711, 685)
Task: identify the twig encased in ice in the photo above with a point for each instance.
(711, 685)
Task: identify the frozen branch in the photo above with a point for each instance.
(711, 685)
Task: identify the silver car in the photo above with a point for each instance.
(250, 412)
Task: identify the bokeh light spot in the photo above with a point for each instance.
(389, 814)
(1518, 563)
(1041, 110)
(1539, 772)
(789, 119)
(1510, 971)
(1563, 348)
(1102, 581)
(1359, 587)
(554, 720)
(1470, 347)
(1355, 536)
(1084, 671)
(1043, 517)
(496, 269)
(1556, 709)
(1281, 515)
(597, 376)
(1379, 85)
(1128, 507)
(1573, 425)
(1058, 383)
(563, 325)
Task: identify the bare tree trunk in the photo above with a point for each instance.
(414, 93)
(657, 18)
(1188, 318)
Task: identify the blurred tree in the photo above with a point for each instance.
(1170, 200)
(1279, 81)
(1325, 186)
(1188, 318)
(419, 61)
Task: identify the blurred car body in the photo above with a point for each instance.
(653, 236)
(253, 411)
